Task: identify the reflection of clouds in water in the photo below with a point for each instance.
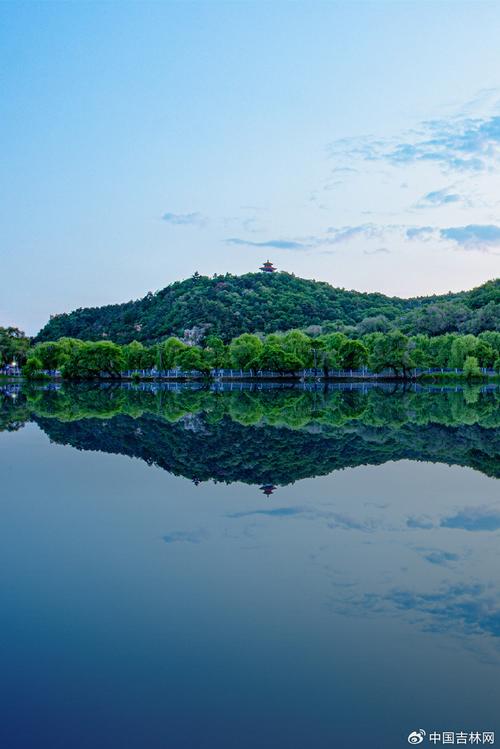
(469, 613)
(466, 608)
(474, 519)
(187, 537)
(468, 519)
(246, 536)
(345, 522)
(279, 512)
(423, 522)
(334, 520)
(438, 556)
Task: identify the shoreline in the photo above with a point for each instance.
(429, 378)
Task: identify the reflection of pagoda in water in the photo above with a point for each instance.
(267, 267)
(268, 489)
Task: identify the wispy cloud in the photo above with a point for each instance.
(333, 235)
(378, 251)
(276, 244)
(477, 237)
(454, 144)
(438, 198)
(420, 232)
(345, 233)
(185, 219)
(473, 236)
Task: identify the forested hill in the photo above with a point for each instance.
(264, 302)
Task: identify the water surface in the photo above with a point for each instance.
(274, 568)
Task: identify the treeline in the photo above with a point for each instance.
(14, 346)
(228, 305)
(285, 353)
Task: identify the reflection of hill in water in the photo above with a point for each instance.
(272, 437)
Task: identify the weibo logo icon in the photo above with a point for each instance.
(416, 737)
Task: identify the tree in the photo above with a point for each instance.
(90, 360)
(51, 354)
(436, 318)
(492, 337)
(217, 350)
(14, 345)
(33, 368)
(299, 346)
(169, 351)
(462, 347)
(420, 348)
(329, 356)
(353, 354)
(471, 368)
(377, 324)
(245, 351)
(485, 318)
(134, 355)
(194, 358)
(392, 351)
(274, 358)
(440, 350)
(484, 353)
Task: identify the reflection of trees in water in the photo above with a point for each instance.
(265, 455)
(270, 437)
(292, 407)
(267, 437)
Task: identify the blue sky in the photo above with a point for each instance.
(357, 143)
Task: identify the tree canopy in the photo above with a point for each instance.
(226, 306)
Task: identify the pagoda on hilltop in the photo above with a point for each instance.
(267, 267)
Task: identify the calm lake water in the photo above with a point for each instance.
(279, 568)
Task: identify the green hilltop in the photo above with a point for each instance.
(228, 305)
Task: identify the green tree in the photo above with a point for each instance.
(134, 355)
(484, 353)
(462, 347)
(440, 350)
(90, 360)
(471, 368)
(299, 345)
(33, 368)
(492, 337)
(217, 351)
(50, 353)
(274, 358)
(421, 353)
(194, 358)
(169, 352)
(353, 354)
(392, 351)
(14, 345)
(245, 351)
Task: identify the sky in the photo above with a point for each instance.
(357, 143)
